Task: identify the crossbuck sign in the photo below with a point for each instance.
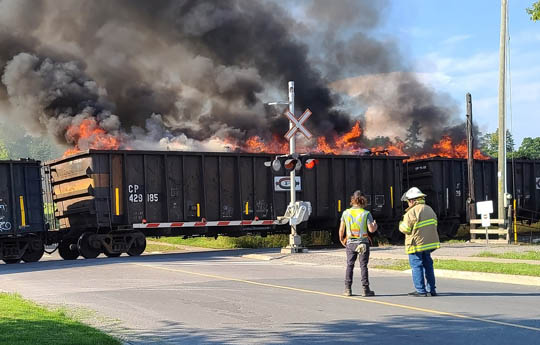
(298, 124)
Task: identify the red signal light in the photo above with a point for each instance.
(310, 163)
(290, 164)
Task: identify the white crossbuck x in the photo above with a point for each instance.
(298, 124)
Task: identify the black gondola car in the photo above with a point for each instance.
(22, 223)
(445, 182)
(523, 177)
(101, 195)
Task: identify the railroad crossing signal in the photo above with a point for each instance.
(298, 124)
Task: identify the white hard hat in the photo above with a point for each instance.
(413, 193)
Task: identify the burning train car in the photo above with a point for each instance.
(109, 201)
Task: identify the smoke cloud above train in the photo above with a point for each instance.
(197, 74)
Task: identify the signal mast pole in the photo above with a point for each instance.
(304, 209)
(294, 239)
(501, 167)
(292, 149)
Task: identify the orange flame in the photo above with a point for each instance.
(349, 142)
(89, 135)
(396, 149)
(256, 144)
(446, 148)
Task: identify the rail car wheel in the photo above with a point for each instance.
(89, 245)
(138, 246)
(12, 261)
(35, 250)
(65, 250)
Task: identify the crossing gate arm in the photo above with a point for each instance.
(209, 224)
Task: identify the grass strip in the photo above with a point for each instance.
(270, 241)
(162, 248)
(25, 323)
(528, 255)
(471, 266)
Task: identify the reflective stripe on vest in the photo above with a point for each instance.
(404, 228)
(426, 222)
(356, 221)
(424, 247)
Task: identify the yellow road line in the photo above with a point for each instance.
(368, 300)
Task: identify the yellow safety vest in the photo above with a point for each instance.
(356, 223)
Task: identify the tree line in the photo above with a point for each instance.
(16, 143)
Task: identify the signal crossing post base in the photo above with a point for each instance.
(294, 245)
(292, 250)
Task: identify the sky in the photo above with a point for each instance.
(454, 46)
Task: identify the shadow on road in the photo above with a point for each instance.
(402, 330)
(59, 264)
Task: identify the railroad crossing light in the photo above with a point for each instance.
(310, 163)
(292, 163)
(275, 164)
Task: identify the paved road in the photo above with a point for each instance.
(220, 297)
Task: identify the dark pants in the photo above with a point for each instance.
(422, 265)
(351, 259)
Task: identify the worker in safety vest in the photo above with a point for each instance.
(353, 234)
(419, 225)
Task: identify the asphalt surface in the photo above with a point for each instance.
(224, 297)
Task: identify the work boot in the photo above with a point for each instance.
(367, 292)
(347, 292)
(417, 294)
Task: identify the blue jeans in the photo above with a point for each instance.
(422, 264)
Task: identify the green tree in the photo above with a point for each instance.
(4, 154)
(412, 140)
(534, 11)
(530, 149)
(378, 141)
(41, 149)
(489, 143)
(20, 144)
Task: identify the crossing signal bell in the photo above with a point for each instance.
(275, 165)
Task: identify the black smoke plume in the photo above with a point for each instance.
(184, 73)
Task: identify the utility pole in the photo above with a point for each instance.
(471, 198)
(501, 174)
